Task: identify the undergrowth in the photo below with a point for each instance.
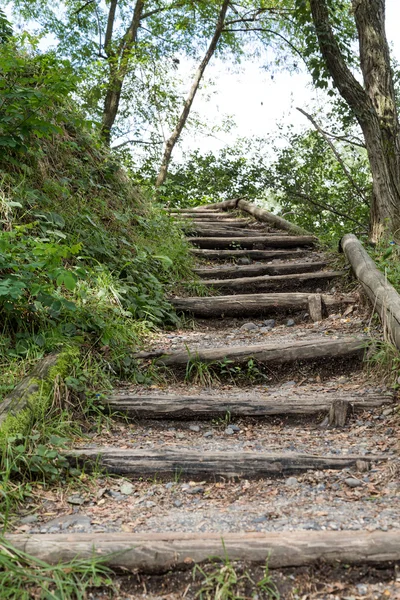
(227, 582)
(86, 261)
(23, 577)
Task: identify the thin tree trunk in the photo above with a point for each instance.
(118, 61)
(170, 144)
(373, 106)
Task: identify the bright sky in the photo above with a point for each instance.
(257, 103)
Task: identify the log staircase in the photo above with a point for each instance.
(249, 270)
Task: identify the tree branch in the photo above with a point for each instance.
(264, 30)
(135, 142)
(323, 206)
(346, 171)
(79, 10)
(110, 27)
(348, 86)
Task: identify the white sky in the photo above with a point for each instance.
(257, 103)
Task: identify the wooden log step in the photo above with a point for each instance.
(166, 463)
(173, 406)
(258, 241)
(236, 223)
(277, 352)
(260, 269)
(160, 552)
(224, 232)
(245, 305)
(209, 254)
(271, 282)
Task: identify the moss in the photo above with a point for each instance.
(38, 402)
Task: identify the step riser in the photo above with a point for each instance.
(249, 285)
(161, 552)
(261, 305)
(223, 255)
(257, 243)
(258, 270)
(193, 407)
(209, 466)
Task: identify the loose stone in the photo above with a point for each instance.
(249, 327)
(353, 482)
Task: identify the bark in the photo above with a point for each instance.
(167, 406)
(383, 296)
(160, 552)
(170, 144)
(266, 217)
(373, 105)
(257, 241)
(118, 62)
(275, 353)
(245, 305)
(247, 285)
(210, 466)
(262, 269)
(252, 254)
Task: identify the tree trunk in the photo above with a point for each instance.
(372, 105)
(118, 62)
(170, 144)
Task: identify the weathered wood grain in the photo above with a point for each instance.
(245, 305)
(271, 282)
(210, 254)
(166, 463)
(383, 296)
(235, 271)
(177, 406)
(18, 398)
(258, 241)
(158, 552)
(277, 352)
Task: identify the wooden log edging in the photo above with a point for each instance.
(254, 304)
(383, 296)
(178, 406)
(278, 353)
(258, 213)
(159, 552)
(167, 463)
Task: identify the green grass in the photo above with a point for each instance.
(23, 577)
(226, 582)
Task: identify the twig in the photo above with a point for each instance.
(354, 184)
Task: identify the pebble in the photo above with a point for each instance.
(387, 412)
(78, 500)
(249, 327)
(353, 482)
(127, 488)
(208, 434)
(169, 485)
(177, 503)
(244, 261)
(180, 436)
(150, 504)
(229, 431)
(270, 323)
(29, 519)
(234, 427)
(362, 589)
(290, 323)
(195, 428)
(198, 489)
(292, 482)
(65, 521)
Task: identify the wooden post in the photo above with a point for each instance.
(383, 296)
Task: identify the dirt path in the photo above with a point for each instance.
(235, 432)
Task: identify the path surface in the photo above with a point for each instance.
(236, 432)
